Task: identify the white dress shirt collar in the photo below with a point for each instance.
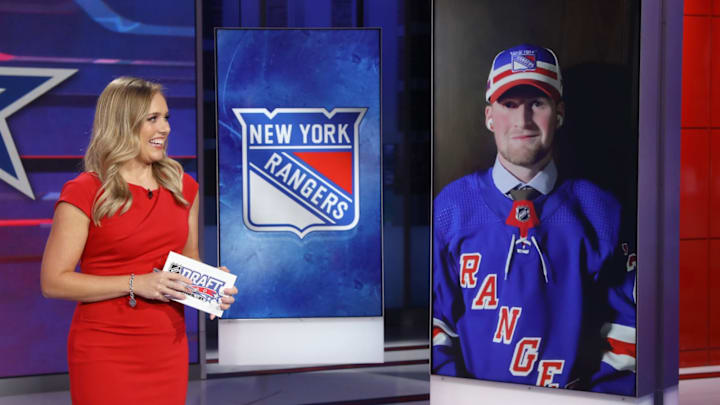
(543, 182)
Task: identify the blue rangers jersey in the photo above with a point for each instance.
(539, 293)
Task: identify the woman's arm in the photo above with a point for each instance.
(191, 248)
(58, 278)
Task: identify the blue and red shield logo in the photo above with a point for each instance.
(525, 60)
(300, 169)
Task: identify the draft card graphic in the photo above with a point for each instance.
(207, 285)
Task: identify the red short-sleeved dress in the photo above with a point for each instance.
(118, 354)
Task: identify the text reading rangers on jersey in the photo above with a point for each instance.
(300, 168)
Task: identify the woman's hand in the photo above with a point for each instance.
(229, 292)
(161, 286)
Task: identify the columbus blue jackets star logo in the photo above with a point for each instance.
(18, 87)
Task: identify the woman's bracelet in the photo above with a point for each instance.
(132, 302)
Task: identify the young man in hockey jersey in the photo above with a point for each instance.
(532, 283)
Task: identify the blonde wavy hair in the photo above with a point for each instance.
(120, 112)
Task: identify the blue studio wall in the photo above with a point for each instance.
(101, 40)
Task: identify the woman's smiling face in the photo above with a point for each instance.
(154, 131)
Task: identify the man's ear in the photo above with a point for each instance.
(560, 112)
(488, 118)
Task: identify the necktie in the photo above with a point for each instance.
(524, 193)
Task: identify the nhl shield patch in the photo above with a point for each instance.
(300, 169)
(522, 213)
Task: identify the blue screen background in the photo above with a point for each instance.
(324, 274)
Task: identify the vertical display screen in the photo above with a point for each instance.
(299, 170)
(535, 193)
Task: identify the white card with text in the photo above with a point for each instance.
(207, 286)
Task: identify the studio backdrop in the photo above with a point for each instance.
(56, 58)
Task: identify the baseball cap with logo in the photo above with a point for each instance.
(524, 64)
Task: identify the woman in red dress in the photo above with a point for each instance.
(120, 219)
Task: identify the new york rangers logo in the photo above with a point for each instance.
(523, 60)
(300, 168)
